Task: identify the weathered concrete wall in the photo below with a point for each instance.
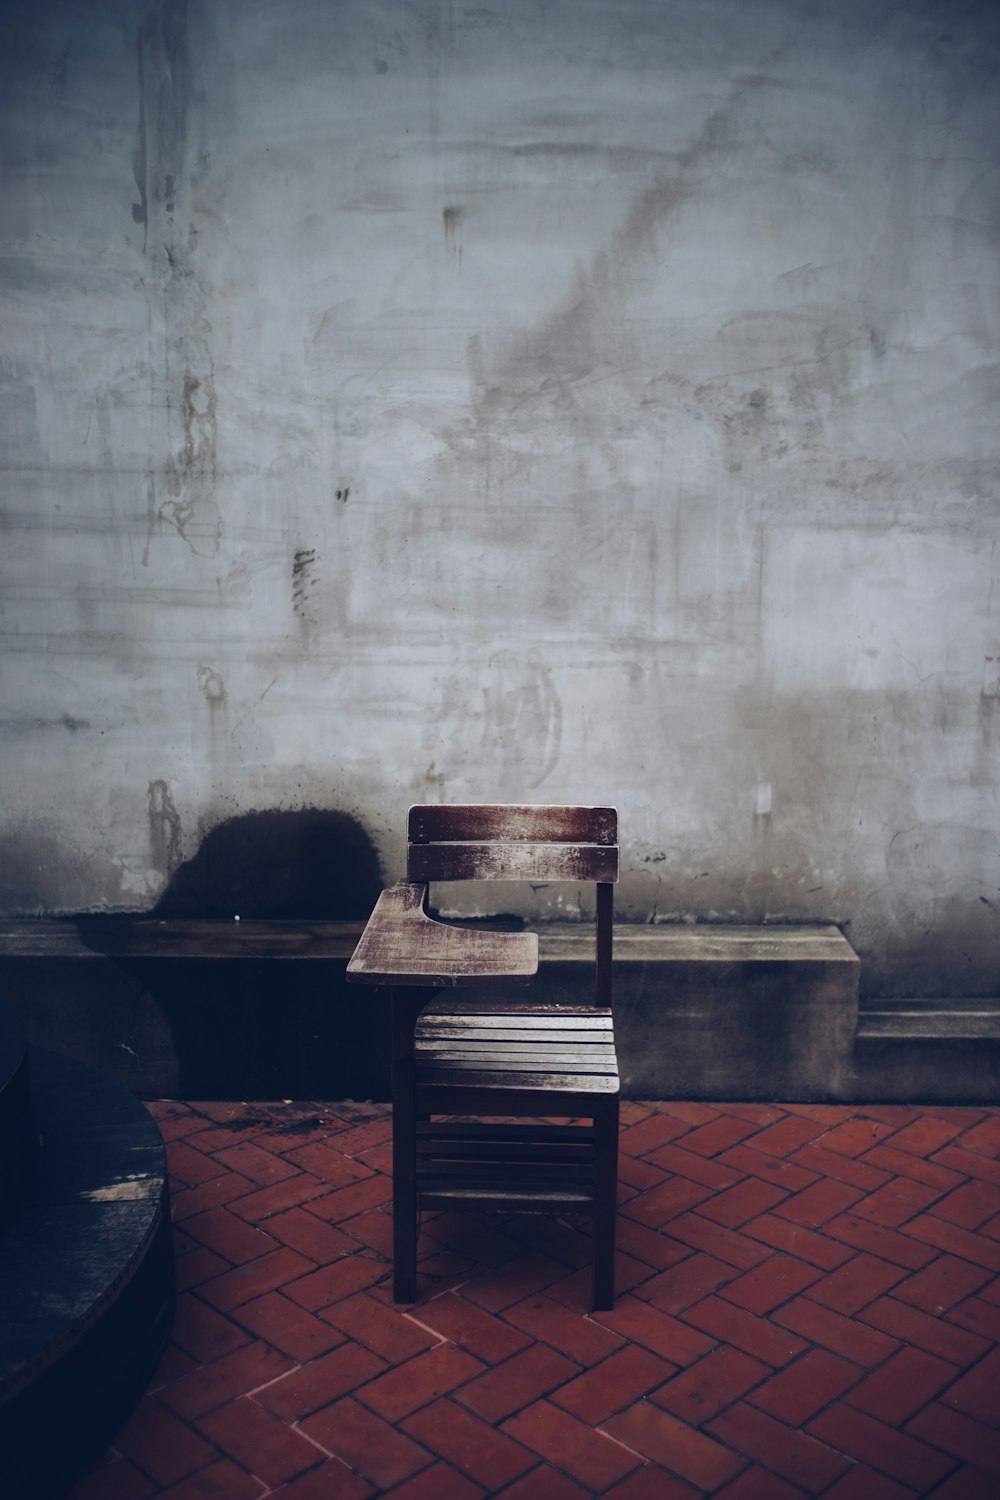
(555, 400)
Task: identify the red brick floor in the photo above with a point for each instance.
(808, 1304)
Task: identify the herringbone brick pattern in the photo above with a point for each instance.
(809, 1305)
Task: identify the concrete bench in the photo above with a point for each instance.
(224, 1009)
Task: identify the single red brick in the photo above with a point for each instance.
(795, 1239)
(695, 1168)
(258, 1207)
(862, 1483)
(690, 1111)
(761, 1115)
(705, 1388)
(270, 1449)
(964, 1243)
(688, 1282)
(648, 1483)
(204, 1333)
(932, 1334)
(386, 1330)
(896, 1202)
(361, 1137)
(902, 1164)
(730, 1245)
(486, 1455)
(718, 1135)
(345, 1202)
(976, 1393)
(800, 1459)
(887, 1244)
(243, 1283)
(821, 1325)
(648, 1245)
(738, 1204)
(582, 1339)
(800, 1390)
(816, 1204)
(190, 1165)
(361, 1439)
(756, 1483)
(341, 1278)
(374, 1229)
(198, 1266)
(979, 1316)
(881, 1447)
(787, 1135)
(329, 1164)
(211, 1194)
(971, 1441)
(229, 1236)
(969, 1164)
(308, 1387)
(863, 1176)
(589, 1456)
(616, 1382)
(655, 1330)
(984, 1137)
(234, 1375)
(969, 1206)
(333, 1480)
(483, 1334)
(661, 1204)
(288, 1327)
(654, 1131)
(311, 1236)
(769, 1284)
(927, 1135)
(943, 1283)
(261, 1166)
(901, 1386)
(672, 1443)
(828, 1114)
(160, 1443)
(502, 1286)
(545, 1483)
(773, 1169)
(420, 1380)
(755, 1336)
(219, 1481)
(516, 1382)
(856, 1136)
(854, 1285)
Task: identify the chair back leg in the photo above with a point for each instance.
(605, 1203)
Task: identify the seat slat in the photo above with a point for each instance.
(500, 1012)
(503, 1130)
(505, 1171)
(507, 1034)
(481, 1151)
(549, 1059)
(485, 1079)
(526, 1199)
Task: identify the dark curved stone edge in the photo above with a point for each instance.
(16, 1143)
(86, 1280)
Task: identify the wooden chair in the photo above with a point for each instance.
(484, 1055)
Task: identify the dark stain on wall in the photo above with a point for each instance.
(272, 865)
(164, 827)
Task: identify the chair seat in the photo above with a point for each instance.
(488, 1045)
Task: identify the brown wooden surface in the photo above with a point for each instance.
(402, 945)
(499, 861)
(511, 821)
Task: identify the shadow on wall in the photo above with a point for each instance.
(261, 1028)
(275, 865)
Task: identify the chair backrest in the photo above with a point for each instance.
(521, 841)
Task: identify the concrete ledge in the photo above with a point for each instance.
(196, 1009)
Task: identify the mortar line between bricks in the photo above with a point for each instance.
(410, 1318)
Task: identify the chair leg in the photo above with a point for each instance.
(605, 1203)
(404, 1156)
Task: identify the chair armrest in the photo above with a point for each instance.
(402, 945)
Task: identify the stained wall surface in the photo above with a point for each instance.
(555, 400)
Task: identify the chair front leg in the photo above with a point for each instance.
(406, 1007)
(605, 1203)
